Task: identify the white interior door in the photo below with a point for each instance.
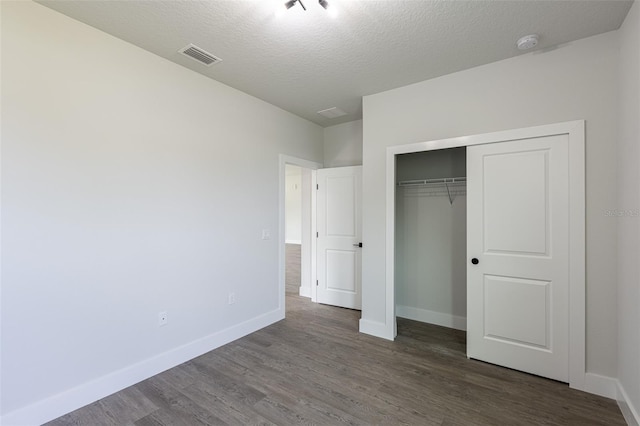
(339, 224)
(518, 231)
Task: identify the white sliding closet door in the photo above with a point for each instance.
(518, 254)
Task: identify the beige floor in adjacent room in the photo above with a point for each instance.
(315, 368)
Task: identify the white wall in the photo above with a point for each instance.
(433, 164)
(343, 144)
(574, 81)
(130, 185)
(431, 259)
(628, 206)
(293, 204)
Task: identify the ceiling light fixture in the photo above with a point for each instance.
(290, 3)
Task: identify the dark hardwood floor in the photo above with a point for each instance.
(315, 368)
(292, 268)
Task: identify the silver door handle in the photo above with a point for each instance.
(357, 245)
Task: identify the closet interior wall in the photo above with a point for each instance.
(431, 240)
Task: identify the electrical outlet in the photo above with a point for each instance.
(163, 318)
(266, 234)
(232, 298)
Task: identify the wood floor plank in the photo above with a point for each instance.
(314, 367)
(321, 387)
(292, 268)
(225, 406)
(175, 409)
(124, 407)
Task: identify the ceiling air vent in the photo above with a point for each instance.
(197, 54)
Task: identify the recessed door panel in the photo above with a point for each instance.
(519, 225)
(340, 206)
(517, 311)
(341, 270)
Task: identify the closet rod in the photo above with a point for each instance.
(433, 182)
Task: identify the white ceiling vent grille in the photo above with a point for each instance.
(197, 54)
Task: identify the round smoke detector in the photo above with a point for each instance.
(527, 42)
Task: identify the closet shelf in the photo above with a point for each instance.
(450, 187)
(434, 182)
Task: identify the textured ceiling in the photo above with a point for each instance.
(305, 62)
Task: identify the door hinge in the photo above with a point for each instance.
(317, 234)
(316, 283)
(317, 186)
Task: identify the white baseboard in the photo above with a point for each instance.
(375, 328)
(299, 242)
(432, 317)
(600, 385)
(630, 413)
(305, 291)
(86, 393)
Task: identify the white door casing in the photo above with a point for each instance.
(518, 230)
(339, 225)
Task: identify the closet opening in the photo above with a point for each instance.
(431, 237)
(525, 261)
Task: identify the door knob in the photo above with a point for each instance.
(357, 245)
(475, 261)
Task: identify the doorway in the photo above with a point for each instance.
(330, 221)
(296, 189)
(294, 226)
